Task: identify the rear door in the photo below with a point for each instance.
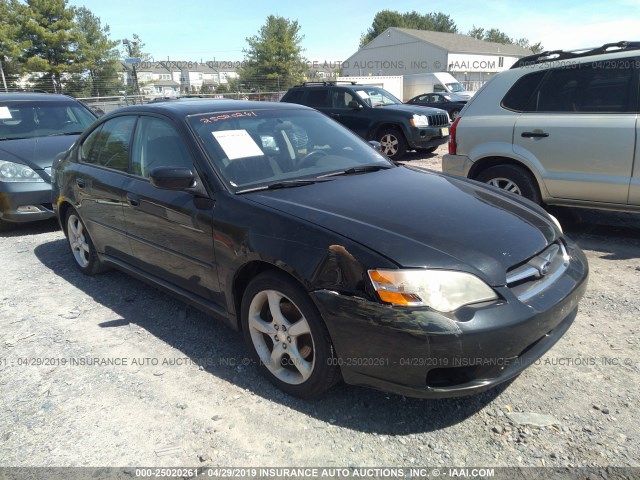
(581, 127)
(170, 231)
(99, 181)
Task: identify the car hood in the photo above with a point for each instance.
(38, 152)
(423, 219)
(418, 109)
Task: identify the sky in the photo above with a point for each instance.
(203, 31)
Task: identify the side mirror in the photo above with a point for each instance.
(172, 178)
(375, 145)
(354, 105)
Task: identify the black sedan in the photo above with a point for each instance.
(450, 102)
(34, 128)
(332, 261)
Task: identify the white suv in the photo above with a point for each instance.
(559, 128)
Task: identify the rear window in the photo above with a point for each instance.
(521, 95)
(29, 119)
(294, 96)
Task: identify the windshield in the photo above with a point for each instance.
(455, 87)
(262, 147)
(29, 119)
(376, 97)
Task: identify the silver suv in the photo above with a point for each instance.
(559, 128)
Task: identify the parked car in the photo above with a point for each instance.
(559, 128)
(34, 128)
(450, 102)
(331, 259)
(375, 114)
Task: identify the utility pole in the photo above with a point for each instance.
(128, 43)
(4, 81)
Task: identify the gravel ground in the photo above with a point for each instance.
(107, 371)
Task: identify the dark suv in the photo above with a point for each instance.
(375, 114)
(34, 128)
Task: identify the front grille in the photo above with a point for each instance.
(438, 120)
(539, 272)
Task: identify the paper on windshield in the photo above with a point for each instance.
(362, 94)
(237, 144)
(5, 114)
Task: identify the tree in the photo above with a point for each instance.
(274, 58)
(495, 35)
(437, 22)
(97, 54)
(11, 46)
(48, 27)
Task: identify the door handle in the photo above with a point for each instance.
(133, 199)
(81, 183)
(536, 134)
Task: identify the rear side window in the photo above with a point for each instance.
(318, 97)
(295, 96)
(521, 96)
(108, 146)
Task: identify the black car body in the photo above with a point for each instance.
(375, 114)
(450, 102)
(34, 128)
(331, 259)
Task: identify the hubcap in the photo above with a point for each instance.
(281, 337)
(389, 144)
(78, 241)
(505, 184)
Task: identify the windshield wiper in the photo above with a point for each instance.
(354, 170)
(284, 184)
(65, 133)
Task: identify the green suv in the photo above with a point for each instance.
(375, 114)
(560, 128)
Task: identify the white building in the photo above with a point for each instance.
(402, 51)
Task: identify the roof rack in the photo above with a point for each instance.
(554, 55)
(327, 82)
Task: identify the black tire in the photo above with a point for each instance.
(81, 245)
(513, 179)
(6, 226)
(392, 143)
(304, 363)
(426, 150)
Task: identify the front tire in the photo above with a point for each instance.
(513, 179)
(287, 337)
(82, 249)
(392, 143)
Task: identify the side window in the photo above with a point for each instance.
(439, 88)
(108, 146)
(598, 87)
(318, 97)
(341, 99)
(157, 144)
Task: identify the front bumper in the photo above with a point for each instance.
(428, 137)
(423, 353)
(25, 202)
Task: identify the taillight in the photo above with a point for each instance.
(452, 136)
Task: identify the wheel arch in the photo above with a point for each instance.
(245, 274)
(485, 163)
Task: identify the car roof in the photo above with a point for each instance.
(46, 97)
(193, 106)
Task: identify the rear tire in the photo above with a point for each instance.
(82, 249)
(513, 179)
(287, 337)
(426, 150)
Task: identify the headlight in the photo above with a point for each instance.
(16, 172)
(442, 290)
(420, 121)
